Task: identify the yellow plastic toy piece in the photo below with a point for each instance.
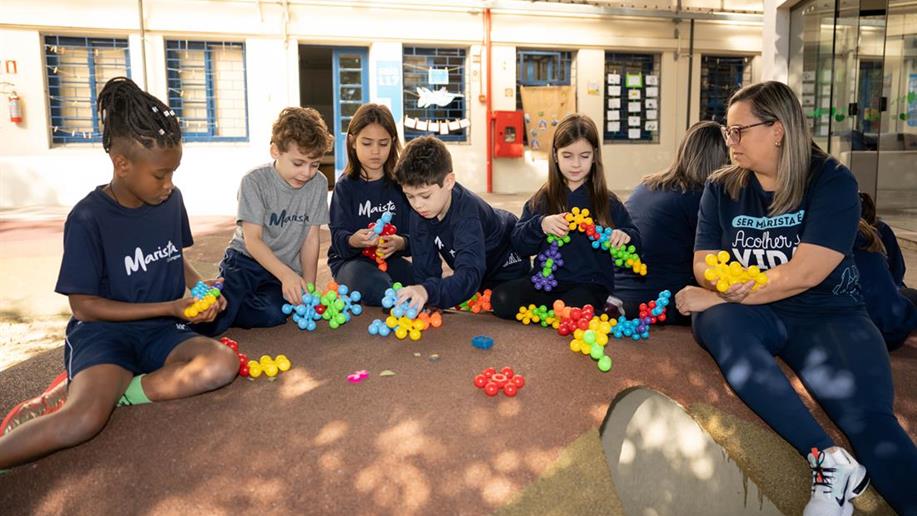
(724, 274)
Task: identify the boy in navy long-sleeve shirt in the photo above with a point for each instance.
(451, 222)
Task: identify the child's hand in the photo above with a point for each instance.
(416, 293)
(293, 286)
(178, 311)
(221, 301)
(363, 238)
(618, 238)
(555, 225)
(390, 245)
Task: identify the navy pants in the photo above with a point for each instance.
(365, 276)
(508, 297)
(253, 295)
(842, 361)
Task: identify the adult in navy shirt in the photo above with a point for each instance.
(366, 190)
(791, 210)
(452, 223)
(889, 308)
(576, 179)
(664, 208)
(124, 275)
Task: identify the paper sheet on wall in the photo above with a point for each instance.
(825, 103)
(808, 76)
(633, 80)
(443, 128)
(652, 92)
(614, 78)
(633, 94)
(438, 76)
(614, 115)
(826, 89)
(651, 125)
(633, 107)
(421, 125)
(633, 134)
(614, 91)
(614, 127)
(652, 80)
(808, 87)
(652, 114)
(651, 104)
(409, 122)
(614, 103)
(464, 123)
(433, 127)
(633, 121)
(808, 100)
(454, 125)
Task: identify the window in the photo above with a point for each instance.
(541, 68)
(632, 101)
(77, 70)
(720, 77)
(434, 92)
(206, 81)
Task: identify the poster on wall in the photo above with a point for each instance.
(633, 80)
(438, 76)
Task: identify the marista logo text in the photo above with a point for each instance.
(283, 218)
(780, 221)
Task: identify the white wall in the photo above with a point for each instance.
(32, 171)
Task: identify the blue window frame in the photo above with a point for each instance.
(207, 89)
(433, 69)
(542, 68)
(721, 76)
(645, 68)
(77, 69)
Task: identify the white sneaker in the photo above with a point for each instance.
(837, 478)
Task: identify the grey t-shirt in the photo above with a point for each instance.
(285, 214)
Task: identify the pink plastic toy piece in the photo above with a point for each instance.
(357, 376)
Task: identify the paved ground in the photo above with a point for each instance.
(423, 440)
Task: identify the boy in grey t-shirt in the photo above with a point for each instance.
(273, 254)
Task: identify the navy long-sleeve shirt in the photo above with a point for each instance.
(892, 313)
(582, 263)
(893, 251)
(667, 220)
(473, 238)
(356, 203)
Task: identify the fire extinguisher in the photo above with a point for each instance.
(15, 109)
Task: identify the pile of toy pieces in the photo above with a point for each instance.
(205, 296)
(336, 305)
(403, 320)
(723, 274)
(479, 303)
(590, 331)
(252, 369)
(549, 260)
(382, 228)
(492, 382)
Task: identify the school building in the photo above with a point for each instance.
(490, 78)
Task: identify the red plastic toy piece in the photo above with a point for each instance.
(493, 382)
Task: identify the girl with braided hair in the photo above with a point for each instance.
(125, 277)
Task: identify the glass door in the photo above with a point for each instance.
(350, 72)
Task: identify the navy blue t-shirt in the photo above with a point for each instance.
(356, 203)
(667, 221)
(582, 263)
(827, 217)
(892, 251)
(473, 238)
(892, 313)
(133, 255)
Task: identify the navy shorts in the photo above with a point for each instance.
(138, 346)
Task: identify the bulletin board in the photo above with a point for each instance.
(544, 107)
(632, 98)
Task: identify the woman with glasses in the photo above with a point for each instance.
(664, 208)
(790, 209)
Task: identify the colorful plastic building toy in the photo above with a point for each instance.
(358, 376)
(336, 305)
(205, 296)
(724, 274)
(549, 260)
(493, 382)
(479, 302)
(482, 342)
(382, 227)
(403, 320)
(536, 314)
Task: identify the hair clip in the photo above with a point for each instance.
(155, 110)
(162, 132)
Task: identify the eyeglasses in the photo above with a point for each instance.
(733, 134)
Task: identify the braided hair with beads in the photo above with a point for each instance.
(126, 111)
